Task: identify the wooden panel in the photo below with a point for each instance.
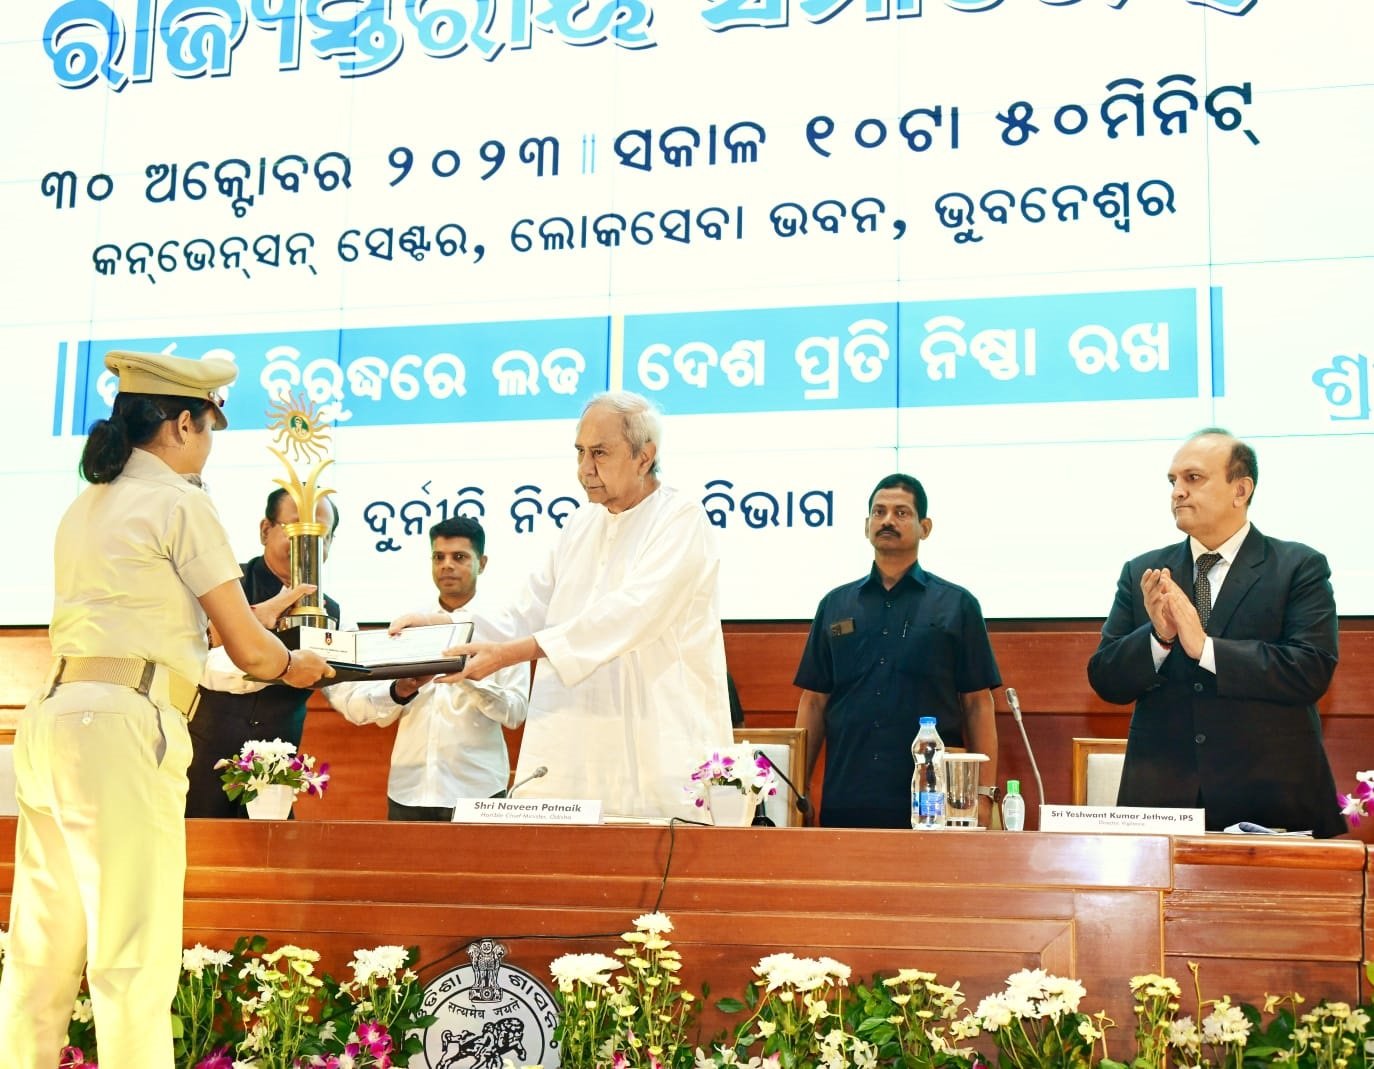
(1277, 916)
(971, 906)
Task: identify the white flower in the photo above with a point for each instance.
(82, 1011)
(1153, 986)
(1226, 1024)
(908, 976)
(1088, 1030)
(654, 922)
(594, 969)
(968, 1028)
(1183, 1034)
(194, 960)
(382, 963)
(1028, 983)
(800, 974)
(993, 1013)
(865, 1055)
(291, 952)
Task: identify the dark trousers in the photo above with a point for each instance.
(396, 811)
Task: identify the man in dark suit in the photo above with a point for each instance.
(1225, 643)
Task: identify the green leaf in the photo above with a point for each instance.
(729, 1005)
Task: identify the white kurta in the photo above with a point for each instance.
(632, 695)
(450, 744)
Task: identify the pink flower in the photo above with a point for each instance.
(374, 1037)
(70, 1057)
(315, 782)
(216, 1059)
(1355, 805)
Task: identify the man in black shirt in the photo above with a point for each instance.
(225, 720)
(884, 651)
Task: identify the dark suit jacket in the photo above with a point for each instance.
(1246, 740)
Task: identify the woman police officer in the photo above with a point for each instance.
(141, 560)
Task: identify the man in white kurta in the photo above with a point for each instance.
(450, 744)
(631, 695)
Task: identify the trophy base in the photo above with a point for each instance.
(291, 636)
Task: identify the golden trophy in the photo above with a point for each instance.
(301, 431)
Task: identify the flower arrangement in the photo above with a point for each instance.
(732, 766)
(247, 1009)
(202, 1004)
(251, 1009)
(277, 1013)
(261, 764)
(381, 1008)
(1035, 1022)
(799, 1020)
(631, 1019)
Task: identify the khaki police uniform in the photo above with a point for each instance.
(100, 762)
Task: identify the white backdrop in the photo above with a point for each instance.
(868, 261)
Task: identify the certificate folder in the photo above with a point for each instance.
(362, 655)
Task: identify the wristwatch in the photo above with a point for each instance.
(994, 792)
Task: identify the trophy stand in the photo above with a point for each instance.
(301, 430)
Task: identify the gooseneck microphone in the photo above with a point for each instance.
(538, 773)
(1015, 704)
(802, 803)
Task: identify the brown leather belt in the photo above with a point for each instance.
(132, 672)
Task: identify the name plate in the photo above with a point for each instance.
(1130, 820)
(527, 811)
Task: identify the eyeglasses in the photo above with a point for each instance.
(328, 535)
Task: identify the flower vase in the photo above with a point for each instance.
(272, 803)
(730, 806)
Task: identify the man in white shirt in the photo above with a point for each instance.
(449, 744)
(625, 613)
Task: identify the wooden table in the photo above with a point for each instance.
(1258, 915)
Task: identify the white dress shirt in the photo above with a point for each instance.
(1215, 577)
(449, 744)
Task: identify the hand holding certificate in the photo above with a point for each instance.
(414, 651)
(474, 660)
(480, 659)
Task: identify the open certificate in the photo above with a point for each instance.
(416, 651)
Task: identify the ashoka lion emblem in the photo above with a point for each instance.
(488, 1011)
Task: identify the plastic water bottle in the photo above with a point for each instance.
(1013, 807)
(928, 777)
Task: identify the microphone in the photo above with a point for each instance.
(1015, 703)
(538, 773)
(802, 803)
